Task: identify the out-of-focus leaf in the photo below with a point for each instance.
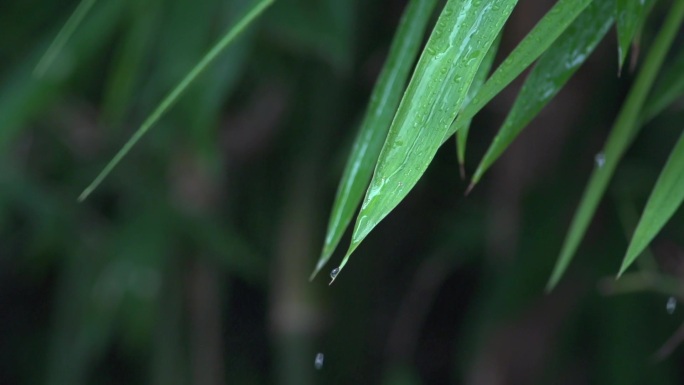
(324, 28)
(23, 95)
(666, 197)
(624, 130)
(173, 96)
(62, 37)
(668, 89)
(630, 17)
(533, 45)
(478, 81)
(373, 130)
(129, 58)
(459, 42)
(549, 75)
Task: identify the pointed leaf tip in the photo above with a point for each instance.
(469, 189)
(377, 119)
(430, 104)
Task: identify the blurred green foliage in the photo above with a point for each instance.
(190, 263)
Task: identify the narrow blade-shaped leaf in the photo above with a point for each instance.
(667, 90)
(62, 37)
(549, 75)
(461, 38)
(624, 130)
(373, 130)
(475, 86)
(173, 96)
(533, 45)
(630, 16)
(666, 197)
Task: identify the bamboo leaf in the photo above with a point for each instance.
(624, 130)
(666, 197)
(478, 81)
(376, 122)
(173, 96)
(62, 37)
(533, 45)
(462, 36)
(549, 76)
(668, 89)
(630, 17)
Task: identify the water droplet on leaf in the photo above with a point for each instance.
(671, 305)
(600, 159)
(334, 272)
(318, 362)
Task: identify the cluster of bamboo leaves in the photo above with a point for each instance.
(399, 145)
(409, 118)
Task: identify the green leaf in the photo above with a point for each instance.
(549, 76)
(373, 130)
(129, 58)
(462, 36)
(533, 45)
(668, 89)
(630, 17)
(173, 96)
(23, 97)
(62, 37)
(478, 81)
(624, 130)
(666, 197)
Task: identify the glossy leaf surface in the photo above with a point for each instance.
(461, 38)
(549, 76)
(533, 45)
(478, 81)
(376, 122)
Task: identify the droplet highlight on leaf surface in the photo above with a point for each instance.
(600, 159)
(318, 362)
(334, 272)
(671, 305)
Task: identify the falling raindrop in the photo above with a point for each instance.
(318, 362)
(600, 159)
(671, 305)
(334, 272)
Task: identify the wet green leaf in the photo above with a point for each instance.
(461, 38)
(666, 197)
(624, 130)
(478, 81)
(376, 122)
(630, 17)
(173, 96)
(549, 76)
(533, 45)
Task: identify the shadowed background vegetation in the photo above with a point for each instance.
(190, 263)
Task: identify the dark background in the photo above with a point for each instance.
(189, 265)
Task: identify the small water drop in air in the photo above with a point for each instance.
(318, 362)
(600, 159)
(671, 305)
(334, 272)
